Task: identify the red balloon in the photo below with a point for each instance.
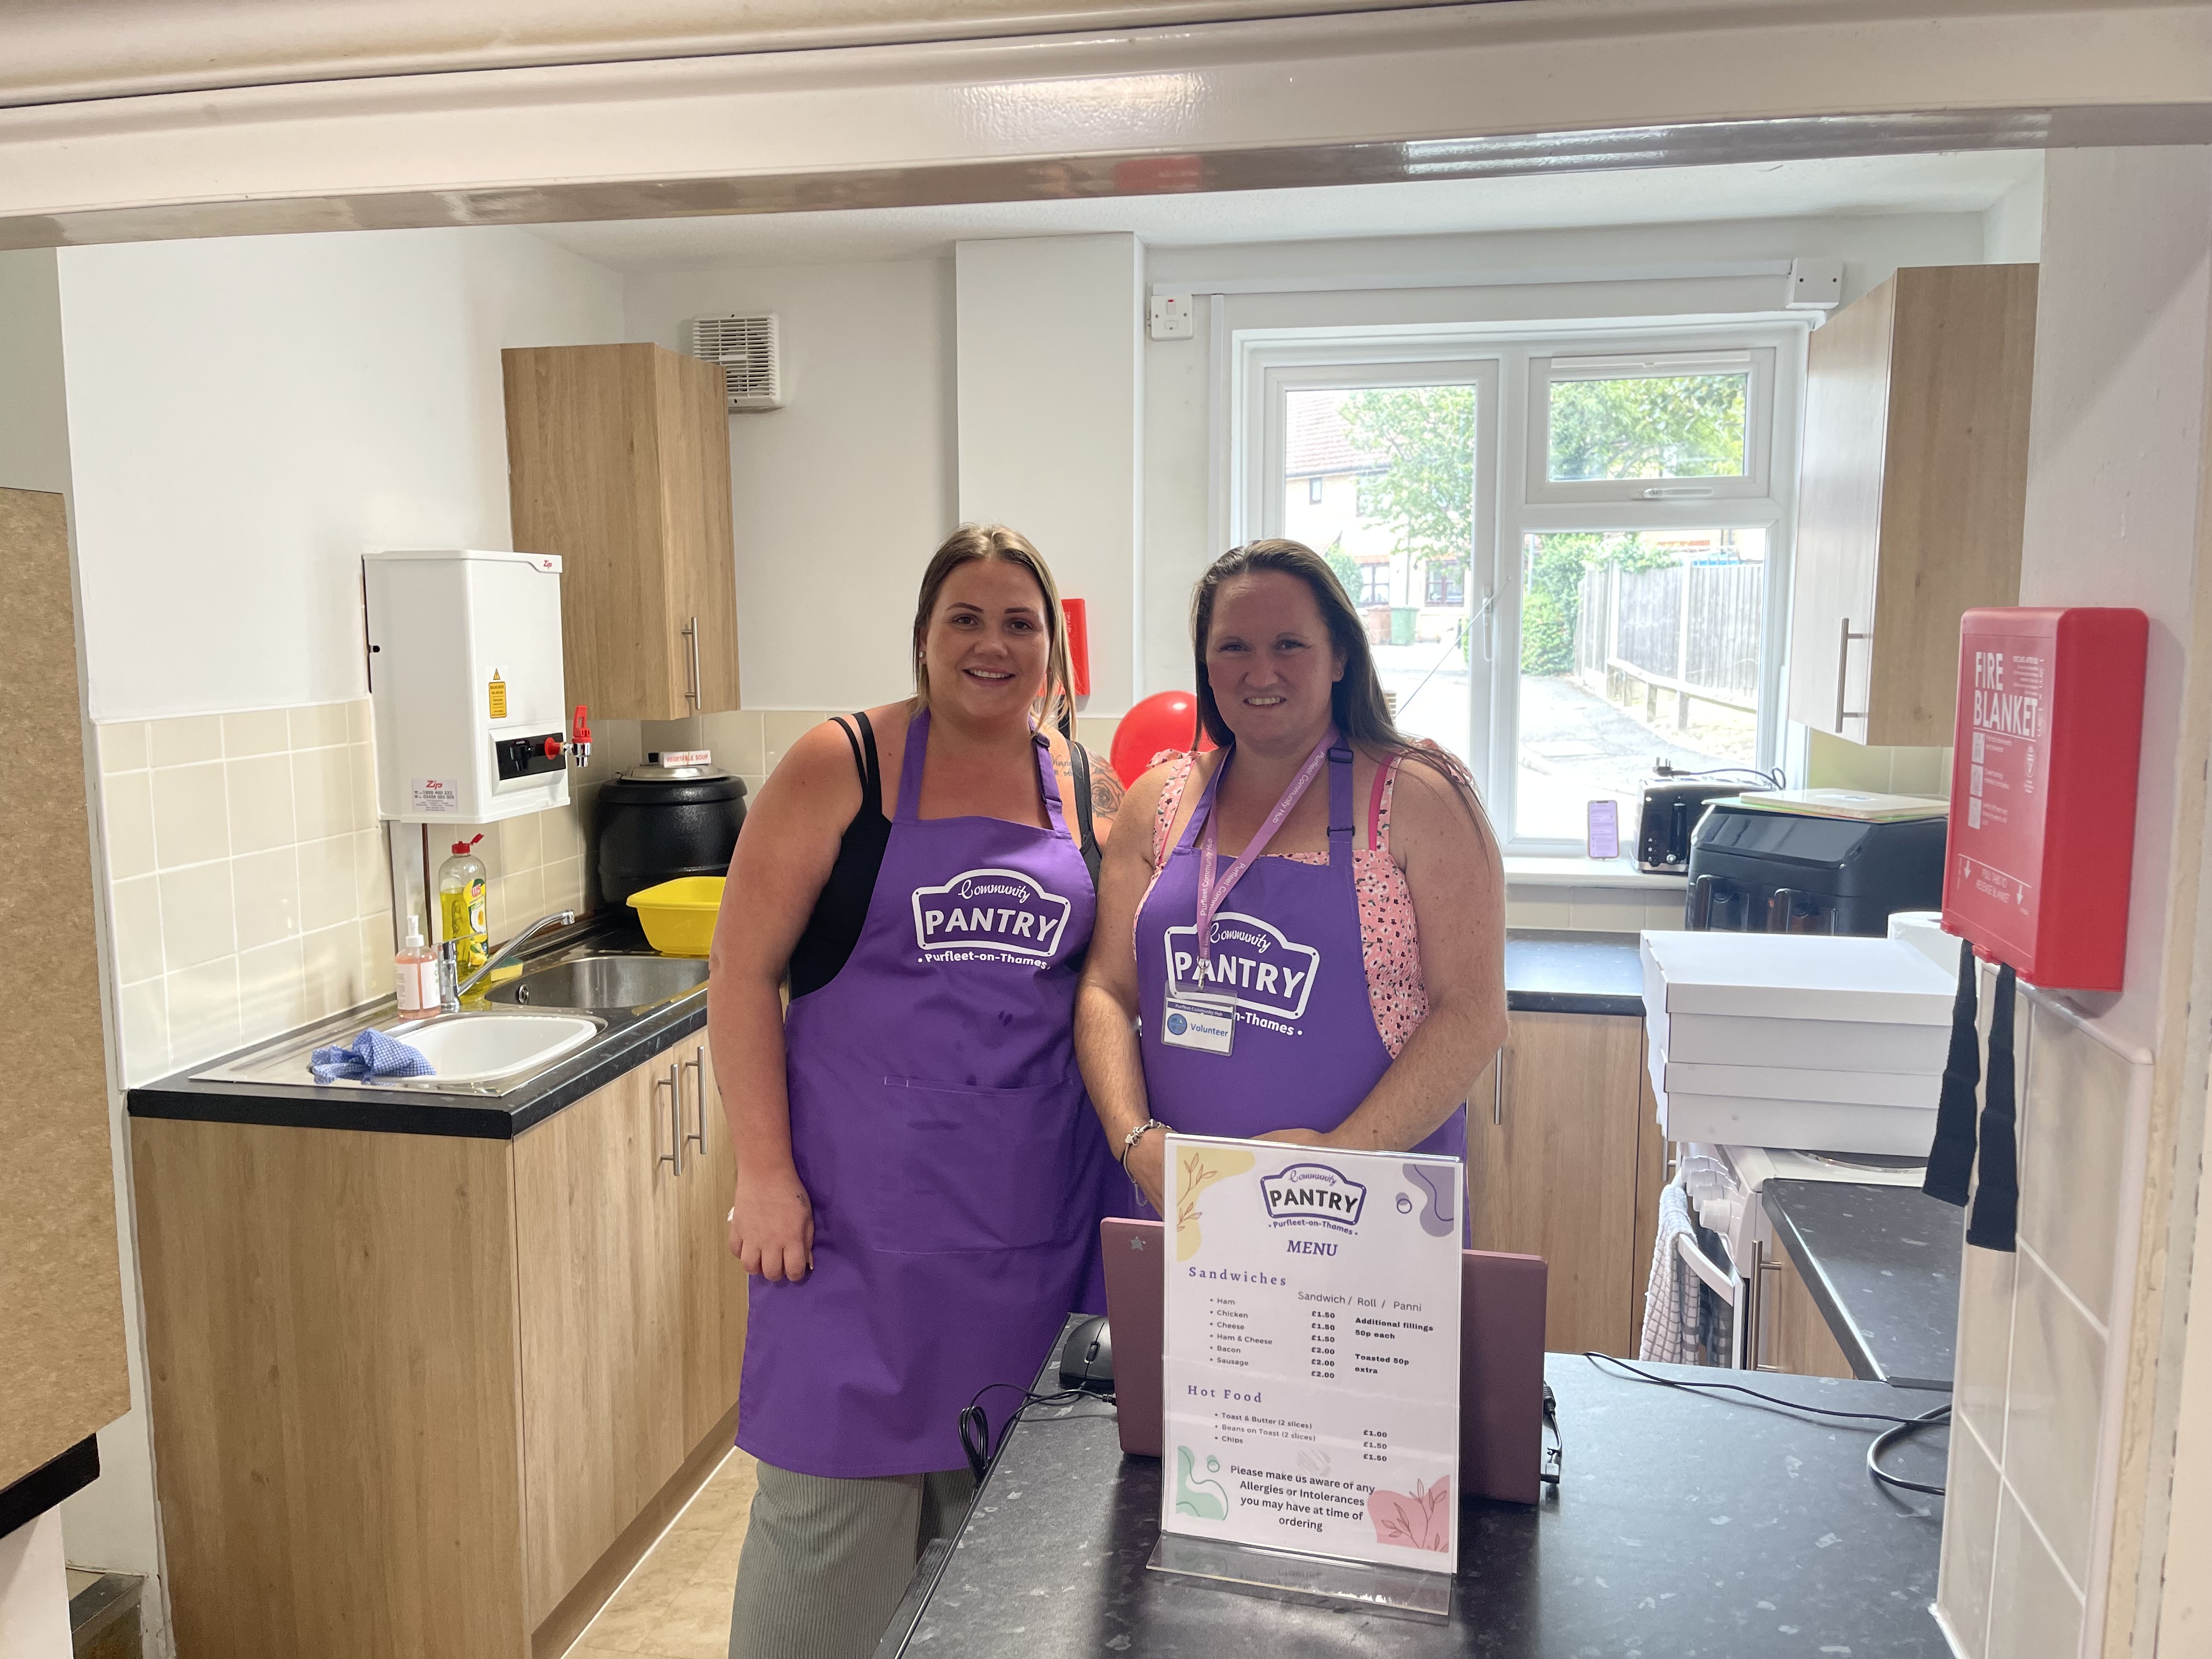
(1163, 723)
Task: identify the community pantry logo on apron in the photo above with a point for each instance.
(989, 915)
(1251, 963)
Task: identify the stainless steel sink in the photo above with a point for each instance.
(607, 981)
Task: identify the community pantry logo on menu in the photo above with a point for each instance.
(1314, 1192)
(985, 914)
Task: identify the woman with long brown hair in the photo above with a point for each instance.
(919, 1178)
(1273, 959)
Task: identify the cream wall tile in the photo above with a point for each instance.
(181, 741)
(265, 897)
(372, 872)
(145, 1016)
(1664, 915)
(320, 726)
(2052, 1412)
(521, 843)
(564, 884)
(736, 738)
(191, 822)
(526, 903)
(272, 990)
(122, 746)
(560, 833)
(329, 889)
(331, 970)
(496, 910)
(1970, 1535)
(1920, 771)
(1621, 913)
(780, 728)
(203, 1011)
(374, 946)
(1832, 763)
(259, 791)
(361, 721)
(362, 771)
(126, 806)
(197, 918)
(2034, 1614)
(1537, 912)
(263, 732)
(1984, 1360)
(1095, 732)
(322, 792)
(136, 908)
(2073, 1125)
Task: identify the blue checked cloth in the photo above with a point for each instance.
(368, 1056)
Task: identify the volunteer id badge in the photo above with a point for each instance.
(1207, 1023)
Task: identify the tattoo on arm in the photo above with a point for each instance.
(1106, 791)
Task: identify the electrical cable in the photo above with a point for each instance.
(976, 1426)
(1665, 769)
(1898, 1426)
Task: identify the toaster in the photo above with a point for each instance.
(1672, 807)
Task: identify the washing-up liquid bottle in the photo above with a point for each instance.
(461, 907)
(415, 973)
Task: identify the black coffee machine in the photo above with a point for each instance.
(1754, 871)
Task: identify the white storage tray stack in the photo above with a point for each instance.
(1795, 1040)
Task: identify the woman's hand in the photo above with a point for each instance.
(772, 1226)
(1298, 1137)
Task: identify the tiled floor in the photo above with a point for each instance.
(677, 1604)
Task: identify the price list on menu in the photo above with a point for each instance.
(1311, 1351)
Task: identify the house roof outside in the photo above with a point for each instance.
(1316, 442)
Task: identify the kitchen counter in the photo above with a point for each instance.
(1562, 972)
(1883, 1264)
(308, 1105)
(1697, 1526)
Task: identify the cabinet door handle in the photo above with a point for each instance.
(1498, 1086)
(1755, 1299)
(697, 1066)
(1843, 670)
(691, 639)
(672, 1084)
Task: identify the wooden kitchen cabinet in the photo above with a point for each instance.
(431, 1394)
(1911, 495)
(618, 460)
(1564, 1162)
(1790, 1332)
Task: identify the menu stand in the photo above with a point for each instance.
(1317, 1580)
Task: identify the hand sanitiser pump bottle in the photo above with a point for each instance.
(415, 973)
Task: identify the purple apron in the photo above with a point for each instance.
(1306, 1051)
(956, 1167)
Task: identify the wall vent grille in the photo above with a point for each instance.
(749, 351)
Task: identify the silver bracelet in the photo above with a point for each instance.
(1129, 1142)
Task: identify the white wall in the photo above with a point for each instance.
(2012, 226)
(1179, 392)
(249, 416)
(1051, 359)
(34, 1622)
(33, 437)
(838, 498)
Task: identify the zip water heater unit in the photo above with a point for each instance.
(465, 674)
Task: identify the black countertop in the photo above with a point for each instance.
(1692, 1526)
(1573, 973)
(1882, 1262)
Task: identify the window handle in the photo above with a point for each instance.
(1677, 492)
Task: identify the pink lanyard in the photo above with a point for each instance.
(1212, 894)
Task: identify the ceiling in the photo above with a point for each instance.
(1960, 183)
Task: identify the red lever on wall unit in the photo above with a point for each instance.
(1079, 645)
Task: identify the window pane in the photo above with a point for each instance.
(1634, 644)
(1380, 483)
(1668, 426)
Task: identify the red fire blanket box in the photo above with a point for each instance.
(2043, 790)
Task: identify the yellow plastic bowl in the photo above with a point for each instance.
(680, 915)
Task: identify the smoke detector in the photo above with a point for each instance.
(747, 349)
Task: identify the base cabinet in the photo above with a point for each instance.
(1564, 1161)
(428, 1396)
(1788, 1328)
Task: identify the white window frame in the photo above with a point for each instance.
(1754, 482)
(1511, 365)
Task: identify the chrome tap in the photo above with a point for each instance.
(558, 918)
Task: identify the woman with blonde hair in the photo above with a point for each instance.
(1322, 965)
(920, 1178)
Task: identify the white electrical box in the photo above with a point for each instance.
(465, 676)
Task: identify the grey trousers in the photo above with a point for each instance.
(825, 1561)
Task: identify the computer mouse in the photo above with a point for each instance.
(1086, 1358)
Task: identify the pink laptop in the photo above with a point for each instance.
(1501, 1368)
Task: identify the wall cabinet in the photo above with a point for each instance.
(618, 460)
(1565, 1160)
(431, 1396)
(1911, 496)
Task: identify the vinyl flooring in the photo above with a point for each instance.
(677, 1604)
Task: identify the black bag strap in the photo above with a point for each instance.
(870, 768)
(1078, 763)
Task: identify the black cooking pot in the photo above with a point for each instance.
(657, 822)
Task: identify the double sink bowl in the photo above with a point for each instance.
(525, 1027)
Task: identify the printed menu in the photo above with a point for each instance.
(1311, 1349)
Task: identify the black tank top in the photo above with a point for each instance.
(834, 928)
